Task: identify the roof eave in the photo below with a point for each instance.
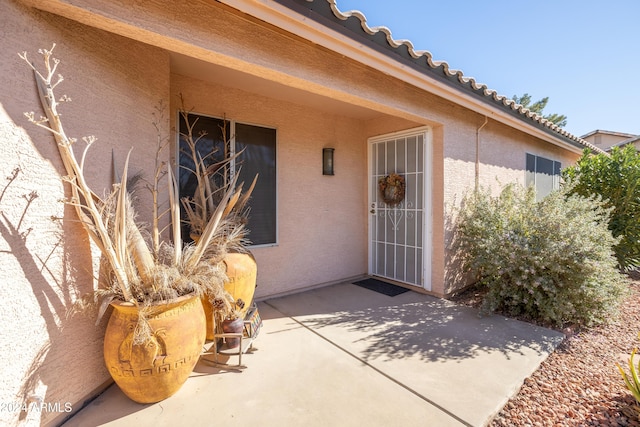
(317, 28)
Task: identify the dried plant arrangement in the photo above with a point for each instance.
(143, 271)
(209, 193)
(227, 308)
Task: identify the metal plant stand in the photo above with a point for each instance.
(251, 329)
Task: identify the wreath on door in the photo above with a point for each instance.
(392, 189)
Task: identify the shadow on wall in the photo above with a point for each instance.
(50, 358)
(54, 293)
(456, 279)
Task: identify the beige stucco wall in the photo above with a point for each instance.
(116, 83)
(225, 38)
(400, 106)
(501, 154)
(321, 219)
(45, 264)
(501, 160)
(240, 43)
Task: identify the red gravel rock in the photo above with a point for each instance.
(579, 384)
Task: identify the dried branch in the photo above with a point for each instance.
(87, 211)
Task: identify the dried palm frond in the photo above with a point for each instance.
(142, 269)
(200, 207)
(86, 202)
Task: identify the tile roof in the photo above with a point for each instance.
(608, 132)
(354, 25)
(632, 140)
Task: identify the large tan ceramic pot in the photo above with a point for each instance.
(242, 272)
(156, 370)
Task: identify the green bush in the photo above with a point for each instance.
(616, 179)
(550, 261)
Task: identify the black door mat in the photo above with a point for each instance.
(381, 287)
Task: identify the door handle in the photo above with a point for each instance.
(372, 211)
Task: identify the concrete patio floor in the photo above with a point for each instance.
(347, 356)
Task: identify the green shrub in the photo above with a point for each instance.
(550, 261)
(616, 179)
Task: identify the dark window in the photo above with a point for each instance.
(258, 157)
(543, 174)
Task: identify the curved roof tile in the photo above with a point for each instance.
(381, 38)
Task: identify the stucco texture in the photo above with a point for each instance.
(121, 60)
(321, 224)
(47, 263)
(501, 155)
(246, 47)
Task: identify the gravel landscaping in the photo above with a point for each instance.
(579, 384)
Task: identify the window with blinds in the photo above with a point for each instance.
(543, 174)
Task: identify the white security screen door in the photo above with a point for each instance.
(399, 245)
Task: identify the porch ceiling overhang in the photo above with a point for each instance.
(321, 22)
(193, 59)
(206, 71)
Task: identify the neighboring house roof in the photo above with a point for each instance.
(634, 139)
(353, 24)
(608, 132)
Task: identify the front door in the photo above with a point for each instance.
(399, 224)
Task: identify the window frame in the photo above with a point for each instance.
(556, 175)
(232, 165)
